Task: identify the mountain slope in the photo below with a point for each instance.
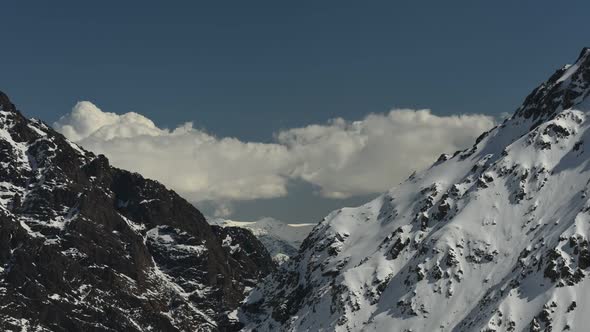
(493, 238)
(88, 247)
(282, 240)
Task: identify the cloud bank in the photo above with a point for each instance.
(341, 158)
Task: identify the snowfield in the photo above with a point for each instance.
(492, 238)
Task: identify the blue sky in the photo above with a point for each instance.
(249, 69)
(246, 69)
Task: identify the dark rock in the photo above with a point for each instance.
(85, 246)
(554, 94)
(397, 248)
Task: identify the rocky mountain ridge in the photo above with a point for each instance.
(88, 247)
(492, 238)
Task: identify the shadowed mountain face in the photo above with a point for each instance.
(280, 239)
(492, 238)
(88, 247)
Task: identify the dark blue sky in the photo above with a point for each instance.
(250, 68)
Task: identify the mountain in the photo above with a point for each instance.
(492, 238)
(88, 247)
(282, 240)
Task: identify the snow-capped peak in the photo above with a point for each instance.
(565, 88)
(492, 238)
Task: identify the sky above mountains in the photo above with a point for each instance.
(339, 159)
(270, 109)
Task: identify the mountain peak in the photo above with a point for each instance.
(495, 238)
(567, 87)
(5, 103)
(86, 246)
(584, 53)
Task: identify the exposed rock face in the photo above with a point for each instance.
(252, 257)
(565, 88)
(88, 247)
(493, 238)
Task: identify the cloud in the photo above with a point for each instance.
(222, 210)
(192, 162)
(348, 158)
(87, 121)
(341, 158)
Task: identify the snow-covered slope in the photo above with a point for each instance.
(282, 240)
(493, 238)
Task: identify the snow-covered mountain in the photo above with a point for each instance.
(492, 238)
(282, 240)
(88, 247)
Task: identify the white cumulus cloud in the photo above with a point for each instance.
(374, 154)
(341, 158)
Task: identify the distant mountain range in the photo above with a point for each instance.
(282, 240)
